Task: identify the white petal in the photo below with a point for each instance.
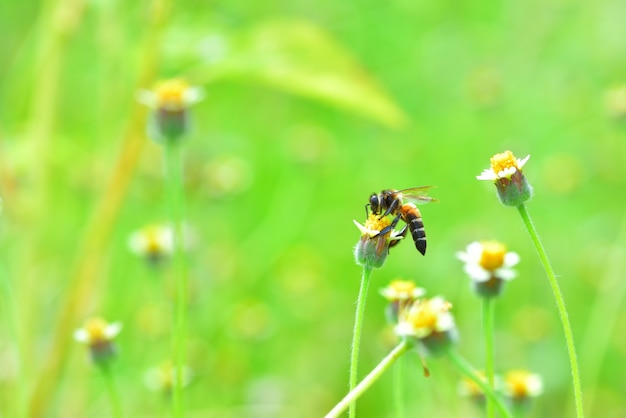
(418, 292)
(520, 163)
(112, 330)
(475, 249)
(404, 329)
(137, 243)
(477, 273)
(511, 259)
(462, 255)
(534, 385)
(504, 273)
(166, 239)
(148, 98)
(365, 231)
(193, 95)
(472, 253)
(445, 322)
(507, 172)
(81, 336)
(487, 175)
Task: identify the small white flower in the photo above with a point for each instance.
(425, 317)
(153, 241)
(488, 259)
(162, 377)
(503, 166)
(522, 384)
(170, 95)
(402, 290)
(97, 331)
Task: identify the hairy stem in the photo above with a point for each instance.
(560, 303)
(114, 399)
(356, 335)
(488, 326)
(369, 380)
(175, 197)
(398, 389)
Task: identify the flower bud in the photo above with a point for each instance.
(520, 386)
(372, 249)
(98, 335)
(170, 102)
(506, 173)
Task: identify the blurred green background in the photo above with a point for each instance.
(309, 108)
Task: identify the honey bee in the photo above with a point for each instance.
(402, 205)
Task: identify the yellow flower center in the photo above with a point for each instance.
(154, 245)
(426, 315)
(517, 383)
(96, 329)
(171, 93)
(503, 161)
(375, 224)
(403, 289)
(492, 257)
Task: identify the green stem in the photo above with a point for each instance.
(398, 387)
(372, 377)
(356, 335)
(114, 399)
(560, 303)
(466, 369)
(175, 195)
(488, 327)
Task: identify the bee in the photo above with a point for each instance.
(402, 205)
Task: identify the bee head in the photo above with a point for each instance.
(375, 203)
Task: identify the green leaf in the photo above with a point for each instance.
(299, 58)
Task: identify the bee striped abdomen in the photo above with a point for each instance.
(413, 218)
(419, 236)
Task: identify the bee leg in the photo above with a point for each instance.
(402, 233)
(367, 211)
(392, 225)
(391, 208)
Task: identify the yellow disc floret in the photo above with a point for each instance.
(522, 384)
(96, 329)
(425, 314)
(492, 257)
(171, 94)
(505, 163)
(373, 223)
(402, 289)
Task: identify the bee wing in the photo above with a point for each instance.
(418, 195)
